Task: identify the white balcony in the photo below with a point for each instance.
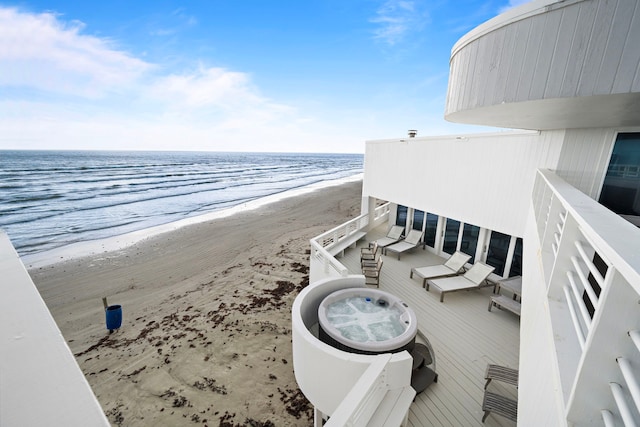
(464, 334)
(590, 261)
(578, 360)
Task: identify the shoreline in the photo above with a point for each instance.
(206, 332)
(123, 241)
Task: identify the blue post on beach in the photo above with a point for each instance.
(114, 317)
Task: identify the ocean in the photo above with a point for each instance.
(51, 199)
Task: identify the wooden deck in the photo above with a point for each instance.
(464, 334)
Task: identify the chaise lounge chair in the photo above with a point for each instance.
(453, 266)
(474, 278)
(411, 241)
(394, 235)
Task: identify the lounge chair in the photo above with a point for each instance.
(394, 235)
(372, 273)
(474, 278)
(411, 241)
(453, 266)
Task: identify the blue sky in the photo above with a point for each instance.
(228, 75)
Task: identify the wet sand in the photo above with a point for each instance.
(206, 333)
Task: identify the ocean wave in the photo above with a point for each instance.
(51, 199)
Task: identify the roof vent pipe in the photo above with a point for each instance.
(412, 133)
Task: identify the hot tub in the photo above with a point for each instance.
(366, 321)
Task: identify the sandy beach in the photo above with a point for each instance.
(206, 333)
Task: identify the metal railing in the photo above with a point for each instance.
(589, 258)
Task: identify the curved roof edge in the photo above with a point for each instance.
(516, 14)
(598, 111)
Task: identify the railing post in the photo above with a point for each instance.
(371, 212)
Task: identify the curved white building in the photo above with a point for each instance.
(555, 203)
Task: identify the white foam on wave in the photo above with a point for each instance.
(120, 242)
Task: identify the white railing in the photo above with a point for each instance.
(590, 260)
(326, 246)
(364, 399)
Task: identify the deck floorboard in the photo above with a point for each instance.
(464, 334)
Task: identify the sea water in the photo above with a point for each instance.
(363, 319)
(50, 199)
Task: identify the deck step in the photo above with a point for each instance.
(422, 378)
(421, 351)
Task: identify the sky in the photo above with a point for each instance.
(228, 75)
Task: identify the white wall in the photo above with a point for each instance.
(41, 383)
(485, 180)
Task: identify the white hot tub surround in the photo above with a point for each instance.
(366, 321)
(325, 374)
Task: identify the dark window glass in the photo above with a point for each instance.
(469, 240)
(497, 254)
(516, 264)
(430, 231)
(401, 216)
(620, 191)
(451, 232)
(418, 217)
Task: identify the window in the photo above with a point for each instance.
(418, 218)
(497, 253)
(430, 230)
(451, 232)
(401, 216)
(516, 264)
(620, 191)
(470, 240)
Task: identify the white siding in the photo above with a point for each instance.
(577, 50)
(485, 180)
(552, 50)
(585, 157)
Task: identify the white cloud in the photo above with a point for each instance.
(205, 87)
(69, 90)
(396, 18)
(38, 51)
